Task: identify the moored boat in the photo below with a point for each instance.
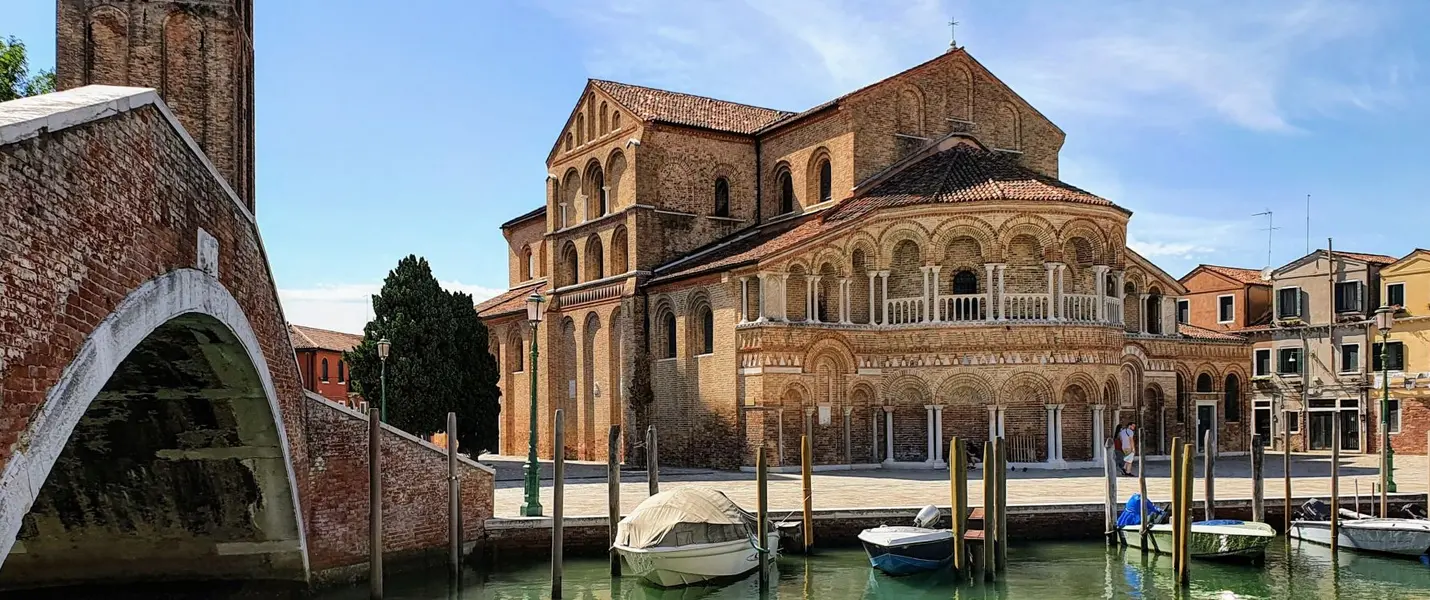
(1226, 539)
(901, 550)
(690, 535)
(1405, 537)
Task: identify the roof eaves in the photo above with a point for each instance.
(538, 211)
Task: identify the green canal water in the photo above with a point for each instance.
(1044, 571)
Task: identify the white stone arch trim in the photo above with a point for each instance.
(149, 306)
(972, 227)
(898, 233)
(1088, 230)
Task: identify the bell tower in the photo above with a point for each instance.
(197, 53)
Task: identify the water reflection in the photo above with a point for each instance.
(1053, 571)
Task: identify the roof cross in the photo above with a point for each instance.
(952, 34)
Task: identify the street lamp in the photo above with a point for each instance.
(532, 506)
(1384, 320)
(383, 348)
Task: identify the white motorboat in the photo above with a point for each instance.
(902, 550)
(690, 535)
(1405, 537)
(1220, 539)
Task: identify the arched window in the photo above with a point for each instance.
(324, 373)
(615, 120)
(342, 372)
(580, 129)
(1154, 311)
(516, 359)
(1204, 383)
(598, 192)
(786, 193)
(1232, 394)
(965, 282)
(603, 118)
(595, 259)
(826, 185)
(707, 330)
(619, 261)
(570, 141)
(722, 197)
(667, 325)
(528, 265)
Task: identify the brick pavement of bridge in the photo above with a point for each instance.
(586, 484)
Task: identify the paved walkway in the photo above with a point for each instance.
(586, 484)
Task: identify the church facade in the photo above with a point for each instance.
(882, 272)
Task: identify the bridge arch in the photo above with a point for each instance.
(174, 376)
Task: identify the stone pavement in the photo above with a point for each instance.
(586, 493)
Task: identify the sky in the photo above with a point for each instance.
(384, 132)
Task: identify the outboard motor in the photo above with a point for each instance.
(927, 517)
(1315, 510)
(1414, 511)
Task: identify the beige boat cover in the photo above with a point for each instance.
(696, 515)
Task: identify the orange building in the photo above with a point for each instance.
(320, 361)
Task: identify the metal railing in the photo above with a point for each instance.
(1023, 448)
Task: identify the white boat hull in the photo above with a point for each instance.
(1245, 541)
(689, 565)
(1407, 537)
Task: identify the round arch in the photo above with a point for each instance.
(152, 305)
(978, 383)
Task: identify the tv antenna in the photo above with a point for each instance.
(1270, 227)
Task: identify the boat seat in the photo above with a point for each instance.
(976, 514)
(973, 534)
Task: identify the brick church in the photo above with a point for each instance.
(891, 268)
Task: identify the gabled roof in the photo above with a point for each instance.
(1236, 274)
(312, 338)
(746, 248)
(1192, 331)
(1156, 270)
(1374, 259)
(510, 301)
(1414, 255)
(651, 104)
(540, 211)
(960, 171)
(1370, 259)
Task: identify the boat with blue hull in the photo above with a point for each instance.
(901, 550)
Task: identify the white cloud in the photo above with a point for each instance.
(348, 307)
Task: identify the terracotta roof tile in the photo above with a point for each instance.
(508, 302)
(1192, 331)
(651, 104)
(962, 173)
(1375, 259)
(1239, 274)
(307, 338)
(751, 247)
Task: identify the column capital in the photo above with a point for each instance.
(887, 408)
(848, 410)
(809, 411)
(935, 268)
(873, 274)
(1051, 265)
(885, 273)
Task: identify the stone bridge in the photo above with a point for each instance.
(152, 420)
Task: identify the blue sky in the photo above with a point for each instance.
(384, 132)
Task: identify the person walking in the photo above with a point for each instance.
(1117, 444)
(1129, 447)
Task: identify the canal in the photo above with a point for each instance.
(1043, 571)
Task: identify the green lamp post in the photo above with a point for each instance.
(383, 348)
(1384, 320)
(532, 506)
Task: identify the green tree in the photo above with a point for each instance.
(15, 78)
(439, 359)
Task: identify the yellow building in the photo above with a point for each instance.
(1405, 285)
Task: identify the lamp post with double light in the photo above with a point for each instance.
(383, 348)
(532, 506)
(1384, 320)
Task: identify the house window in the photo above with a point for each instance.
(1288, 303)
(342, 372)
(786, 193)
(1393, 411)
(707, 331)
(1348, 296)
(668, 324)
(1293, 422)
(1350, 358)
(1395, 356)
(1395, 294)
(1184, 311)
(1289, 361)
(1232, 398)
(324, 373)
(722, 197)
(1225, 308)
(1262, 364)
(825, 182)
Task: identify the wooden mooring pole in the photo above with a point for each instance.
(1001, 447)
(374, 502)
(1286, 467)
(1186, 539)
(806, 466)
(1258, 487)
(1144, 528)
(613, 494)
(652, 460)
(558, 499)
(958, 502)
(1335, 484)
(1209, 442)
(1109, 472)
(454, 501)
(1175, 518)
(762, 510)
(990, 512)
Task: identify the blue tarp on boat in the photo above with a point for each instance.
(1132, 514)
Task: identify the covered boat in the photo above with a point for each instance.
(1218, 539)
(689, 535)
(901, 550)
(1405, 537)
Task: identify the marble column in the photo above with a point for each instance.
(888, 434)
(873, 316)
(845, 297)
(812, 298)
(1052, 431)
(928, 433)
(1099, 278)
(848, 437)
(923, 316)
(938, 438)
(933, 306)
(1098, 432)
(988, 310)
(1062, 302)
(780, 440)
(762, 282)
(784, 297)
(1142, 313)
(1002, 293)
(995, 422)
(1052, 313)
(745, 299)
(884, 294)
(1121, 285)
(874, 412)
